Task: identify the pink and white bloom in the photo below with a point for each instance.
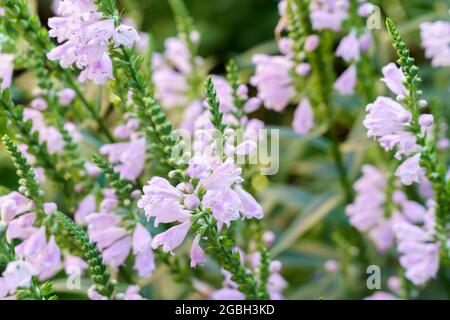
(349, 48)
(303, 118)
(273, 80)
(346, 83)
(328, 14)
(6, 70)
(410, 170)
(128, 157)
(83, 36)
(394, 79)
(416, 243)
(436, 41)
(18, 274)
(197, 253)
(367, 212)
(142, 249)
(386, 120)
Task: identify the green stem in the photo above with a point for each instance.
(220, 246)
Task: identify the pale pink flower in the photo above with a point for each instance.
(172, 238)
(197, 253)
(346, 83)
(436, 41)
(227, 294)
(39, 104)
(394, 79)
(132, 293)
(142, 249)
(273, 80)
(366, 213)
(163, 201)
(426, 120)
(410, 170)
(386, 120)
(250, 208)
(72, 263)
(14, 204)
(84, 38)
(116, 254)
(303, 69)
(18, 274)
(6, 70)
(128, 157)
(225, 205)
(416, 243)
(328, 14)
(94, 295)
(349, 48)
(48, 134)
(311, 43)
(66, 96)
(21, 227)
(86, 207)
(223, 176)
(126, 36)
(365, 42)
(380, 295)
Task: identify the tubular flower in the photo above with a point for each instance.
(84, 37)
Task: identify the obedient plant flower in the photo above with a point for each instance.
(142, 249)
(273, 80)
(394, 79)
(48, 134)
(172, 73)
(346, 82)
(128, 157)
(367, 212)
(386, 120)
(223, 196)
(389, 121)
(43, 255)
(381, 295)
(436, 41)
(114, 241)
(74, 264)
(84, 37)
(416, 243)
(132, 293)
(410, 171)
(6, 70)
(66, 96)
(303, 118)
(329, 14)
(349, 48)
(18, 274)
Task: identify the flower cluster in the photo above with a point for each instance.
(36, 255)
(217, 189)
(115, 242)
(172, 72)
(367, 212)
(197, 215)
(388, 121)
(415, 233)
(6, 69)
(85, 39)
